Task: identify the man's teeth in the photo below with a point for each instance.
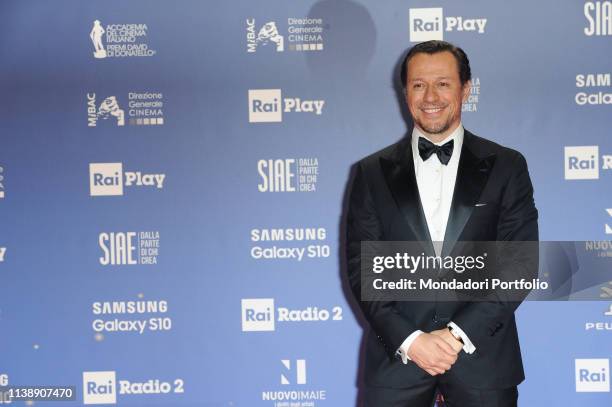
(432, 110)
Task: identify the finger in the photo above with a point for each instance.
(448, 359)
(452, 359)
(445, 347)
(442, 366)
(435, 368)
(431, 372)
(438, 370)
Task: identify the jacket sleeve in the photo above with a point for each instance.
(363, 224)
(518, 222)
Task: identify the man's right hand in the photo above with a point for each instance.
(432, 354)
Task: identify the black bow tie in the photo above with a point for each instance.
(427, 148)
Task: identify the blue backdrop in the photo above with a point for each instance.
(172, 181)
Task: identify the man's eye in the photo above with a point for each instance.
(417, 86)
(444, 84)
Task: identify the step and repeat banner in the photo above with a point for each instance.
(173, 174)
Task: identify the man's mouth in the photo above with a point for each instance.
(432, 110)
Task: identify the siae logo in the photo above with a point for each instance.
(108, 109)
(592, 375)
(429, 24)
(267, 106)
(258, 314)
(118, 248)
(288, 175)
(99, 388)
(298, 376)
(599, 18)
(128, 248)
(108, 179)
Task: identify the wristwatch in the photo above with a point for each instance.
(455, 335)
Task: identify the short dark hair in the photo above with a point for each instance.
(434, 47)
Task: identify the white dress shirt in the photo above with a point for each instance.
(436, 183)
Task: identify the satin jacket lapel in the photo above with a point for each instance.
(472, 176)
(401, 179)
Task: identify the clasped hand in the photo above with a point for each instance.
(435, 352)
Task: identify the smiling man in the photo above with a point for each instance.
(441, 185)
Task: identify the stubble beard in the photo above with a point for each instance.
(435, 128)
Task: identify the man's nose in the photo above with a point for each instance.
(431, 95)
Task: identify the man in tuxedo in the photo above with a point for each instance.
(441, 184)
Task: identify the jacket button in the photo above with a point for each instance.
(435, 318)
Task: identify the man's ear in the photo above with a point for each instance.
(466, 91)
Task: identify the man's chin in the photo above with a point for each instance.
(434, 130)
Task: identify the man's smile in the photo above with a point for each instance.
(432, 111)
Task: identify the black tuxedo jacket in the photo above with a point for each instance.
(384, 205)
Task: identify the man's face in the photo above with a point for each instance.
(434, 93)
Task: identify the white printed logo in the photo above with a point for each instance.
(429, 24)
(425, 24)
(582, 162)
(609, 312)
(592, 375)
(599, 18)
(608, 227)
(300, 372)
(258, 314)
(269, 34)
(108, 109)
(144, 108)
(288, 175)
(299, 34)
(594, 88)
(267, 106)
(264, 106)
(96, 38)
(128, 248)
(293, 374)
(122, 40)
(99, 388)
(2, 253)
(471, 104)
(107, 179)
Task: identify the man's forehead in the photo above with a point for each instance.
(436, 66)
